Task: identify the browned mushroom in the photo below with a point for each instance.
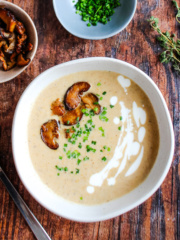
(20, 28)
(73, 117)
(21, 62)
(4, 64)
(28, 48)
(68, 132)
(5, 34)
(50, 132)
(72, 97)
(91, 101)
(8, 18)
(20, 42)
(57, 107)
(12, 43)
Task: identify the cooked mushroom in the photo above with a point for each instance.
(21, 62)
(50, 132)
(57, 107)
(72, 97)
(28, 48)
(73, 117)
(20, 28)
(20, 43)
(68, 132)
(4, 34)
(8, 18)
(91, 101)
(12, 43)
(4, 64)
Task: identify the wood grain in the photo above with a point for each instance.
(159, 216)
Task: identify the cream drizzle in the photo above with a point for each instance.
(113, 100)
(125, 144)
(124, 82)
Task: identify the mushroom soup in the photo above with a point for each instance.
(93, 136)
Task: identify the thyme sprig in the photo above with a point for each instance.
(178, 11)
(167, 41)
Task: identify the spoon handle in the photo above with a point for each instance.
(33, 223)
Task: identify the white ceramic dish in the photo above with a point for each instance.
(72, 22)
(49, 199)
(21, 15)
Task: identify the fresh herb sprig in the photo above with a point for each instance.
(167, 41)
(178, 11)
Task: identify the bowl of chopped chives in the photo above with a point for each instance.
(89, 19)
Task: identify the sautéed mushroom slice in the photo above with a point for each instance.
(50, 132)
(72, 97)
(91, 101)
(58, 108)
(73, 117)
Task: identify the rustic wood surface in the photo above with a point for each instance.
(159, 216)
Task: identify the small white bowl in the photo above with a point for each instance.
(48, 198)
(73, 23)
(22, 16)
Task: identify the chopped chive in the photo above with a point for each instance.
(58, 168)
(67, 130)
(78, 161)
(99, 84)
(101, 98)
(101, 150)
(64, 149)
(81, 198)
(65, 169)
(77, 170)
(60, 157)
(67, 122)
(104, 93)
(93, 142)
(72, 172)
(109, 149)
(95, 109)
(77, 119)
(121, 118)
(111, 106)
(119, 128)
(104, 159)
(85, 158)
(58, 174)
(65, 145)
(105, 147)
(80, 145)
(95, 103)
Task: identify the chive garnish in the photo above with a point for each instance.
(104, 159)
(77, 170)
(119, 128)
(99, 84)
(104, 93)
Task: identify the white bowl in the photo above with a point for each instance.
(22, 16)
(48, 198)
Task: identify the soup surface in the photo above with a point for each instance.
(108, 155)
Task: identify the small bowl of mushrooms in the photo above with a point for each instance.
(18, 40)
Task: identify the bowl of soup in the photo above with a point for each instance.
(92, 138)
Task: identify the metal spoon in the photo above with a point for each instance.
(31, 220)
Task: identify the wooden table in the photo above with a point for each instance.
(159, 216)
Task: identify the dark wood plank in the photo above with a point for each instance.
(159, 216)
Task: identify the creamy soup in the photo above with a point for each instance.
(109, 154)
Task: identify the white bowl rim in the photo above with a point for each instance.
(96, 38)
(36, 36)
(142, 199)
